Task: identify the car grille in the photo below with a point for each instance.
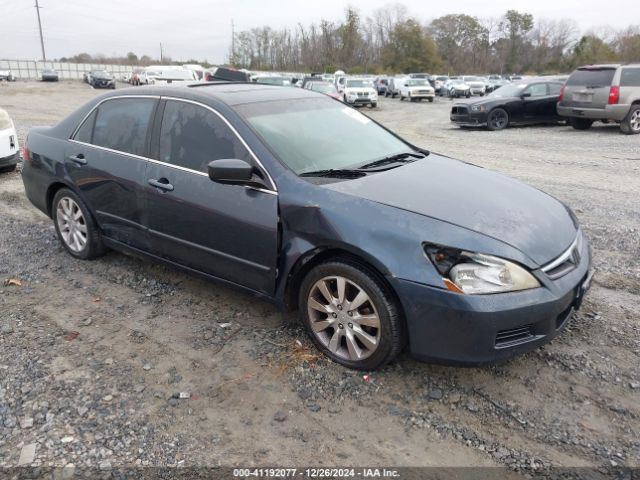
(424, 92)
(459, 110)
(567, 261)
(514, 336)
(363, 94)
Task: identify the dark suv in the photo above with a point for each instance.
(603, 92)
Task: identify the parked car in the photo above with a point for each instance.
(49, 75)
(438, 82)
(381, 84)
(528, 103)
(456, 88)
(476, 85)
(86, 76)
(359, 91)
(134, 78)
(101, 79)
(170, 75)
(393, 89)
(9, 148)
(417, 89)
(293, 197)
(603, 92)
(325, 87)
(7, 75)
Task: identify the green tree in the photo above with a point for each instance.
(461, 39)
(516, 26)
(410, 49)
(592, 49)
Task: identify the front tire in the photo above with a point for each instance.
(498, 119)
(581, 123)
(75, 226)
(631, 123)
(431, 99)
(350, 315)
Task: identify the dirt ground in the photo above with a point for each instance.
(93, 354)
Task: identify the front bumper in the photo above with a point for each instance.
(609, 112)
(361, 100)
(452, 328)
(464, 117)
(104, 83)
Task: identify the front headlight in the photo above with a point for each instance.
(477, 108)
(476, 273)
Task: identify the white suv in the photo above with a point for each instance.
(359, 91)
(416, 89)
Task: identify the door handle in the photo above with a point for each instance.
(162, 184)
(79, 159)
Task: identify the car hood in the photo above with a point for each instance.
(476, 199)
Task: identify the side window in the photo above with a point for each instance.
(630, 77)
(537, 90)
(554, 88)
(122, 124)
(191, 136)
(85, 131)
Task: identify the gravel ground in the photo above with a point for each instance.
(94, 355)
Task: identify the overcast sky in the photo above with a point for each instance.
(202, 28)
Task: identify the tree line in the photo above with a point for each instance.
(391, 40)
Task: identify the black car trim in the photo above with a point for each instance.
(95, 107)
(232, 128)
(122, 219)
(158, 97)
(121, 246)
(258, 266)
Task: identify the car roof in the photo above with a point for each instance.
(230, 93)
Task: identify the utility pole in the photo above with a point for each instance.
(38, 7)
(161, 56)
(233, 44)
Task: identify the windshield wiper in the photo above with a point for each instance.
(338, 173)
(398, 158)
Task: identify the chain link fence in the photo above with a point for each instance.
(32, 69)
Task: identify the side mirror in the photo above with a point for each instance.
(525, 95)
(232, 171)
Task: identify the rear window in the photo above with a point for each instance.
(592, 77)
(630, 77)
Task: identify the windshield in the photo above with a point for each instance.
(323, 87)
(457, 81)
(320, 134)
(513, 90)
(358, 83)
(5, 120)
(417, 83)
(472, 79)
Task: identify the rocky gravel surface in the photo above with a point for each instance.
(120, 362)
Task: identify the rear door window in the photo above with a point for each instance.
(191, 136)
(591, 77)
(537, 90)
(630, 77)
(85, 131)
(554, 88)
(122, 124)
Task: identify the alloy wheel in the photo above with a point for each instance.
(634, 121)
(498, 119)
(71, 224)
(343, 318)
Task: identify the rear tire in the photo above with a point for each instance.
(631, 123)
(76, 229)
(581, 123)
(365, 345)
